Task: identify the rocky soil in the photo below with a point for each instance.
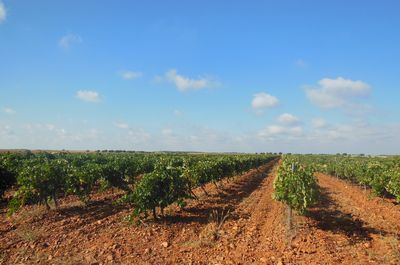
(236, 223)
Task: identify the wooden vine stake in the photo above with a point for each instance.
(289, 209)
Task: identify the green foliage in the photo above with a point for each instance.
(172, 180)
(149, 179)
(375, 176)
(82, 180)
(200, 173)
(393, 186)
(9, 167)
(381, 174)
(160, 188)
(39, 180)
(296, 186)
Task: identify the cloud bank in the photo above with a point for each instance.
(337, 93)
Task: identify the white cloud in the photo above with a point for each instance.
(337, 93)
(9, 110)
(183, 83)
(3, 12)
(50, 127)
(137, 136)
(352, 133)
(351, 137)
(66, 41)
(129, 75)
(319, 123)
(88, 96)
(288, 119)
(167, 132)
(263, 100)
(121, 125)
(273, 131)
(193, 138)
(42, 132)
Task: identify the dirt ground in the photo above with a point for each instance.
(347, 227)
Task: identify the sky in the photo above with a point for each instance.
(230, 76)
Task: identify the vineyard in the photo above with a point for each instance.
(178, 208)
(150, 180)
(382, 175)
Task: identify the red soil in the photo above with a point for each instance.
(347, 227)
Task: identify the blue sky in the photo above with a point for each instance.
(252, 76)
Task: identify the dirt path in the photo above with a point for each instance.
(259, 233)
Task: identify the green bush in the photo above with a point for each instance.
(160, 188)
(40, 180)
(295, 186)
